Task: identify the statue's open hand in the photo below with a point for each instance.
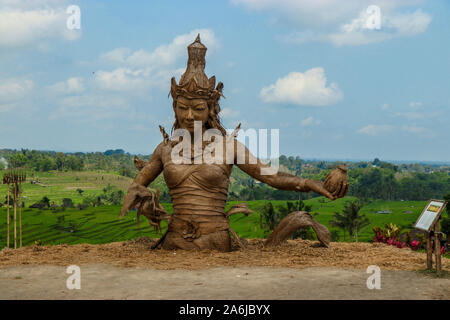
(336, 182)
(146, 203)
(136, 193)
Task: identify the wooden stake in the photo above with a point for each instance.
(437, 248)
(20, 214)
(7, 220)
(15, 215)
(429, 252)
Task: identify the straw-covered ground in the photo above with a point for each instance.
(298, 269)
(293, 254)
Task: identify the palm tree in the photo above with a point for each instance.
(357, 220)
(350, 220)
(340, 221)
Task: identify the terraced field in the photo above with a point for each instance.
(102, 225)
(59, 185)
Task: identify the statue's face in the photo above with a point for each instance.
(190, 110)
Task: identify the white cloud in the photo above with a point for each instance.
(397, 25)
(308, 88)
(134, 81)
(92, 107)
(304, 11)
(14, 89)
(310, 121)
(414, 129)
(385, 106)
(138, 70)
(419, 131)
(228, 113)
(110, 92)
(121, 79)
(15, 95)
(70, 86)
(410, 115)
(24, 23)
(163, 55)
(408, 24)
(375, 130)
(319, 20)
(118, 55)
(415, 104)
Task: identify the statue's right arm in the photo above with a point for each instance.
(138, 189)
(151, 170)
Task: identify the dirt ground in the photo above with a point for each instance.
(298, 269)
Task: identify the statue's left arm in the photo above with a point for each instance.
(280, 180)
(138, 196)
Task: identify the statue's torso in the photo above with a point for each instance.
(198, 193)
(197, 188)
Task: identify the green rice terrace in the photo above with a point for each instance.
(60, 185)
(101, 224)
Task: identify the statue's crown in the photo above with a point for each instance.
(194, 83)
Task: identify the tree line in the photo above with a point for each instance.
(369, 180)
(44, 161)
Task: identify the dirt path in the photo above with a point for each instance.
(296, 270)
(109, 282)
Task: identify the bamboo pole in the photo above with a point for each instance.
(7, 219)
(15, 215)
(20, 214)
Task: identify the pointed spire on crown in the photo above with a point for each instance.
(196, 64)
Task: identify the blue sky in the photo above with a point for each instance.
(312, 69)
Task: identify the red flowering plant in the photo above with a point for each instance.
(401, 244)
(442, 249)
(414, 244)
(391, 236)
(379, 237)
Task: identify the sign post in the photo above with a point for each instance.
(428, 221)
(429, 250)
(437, 248)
